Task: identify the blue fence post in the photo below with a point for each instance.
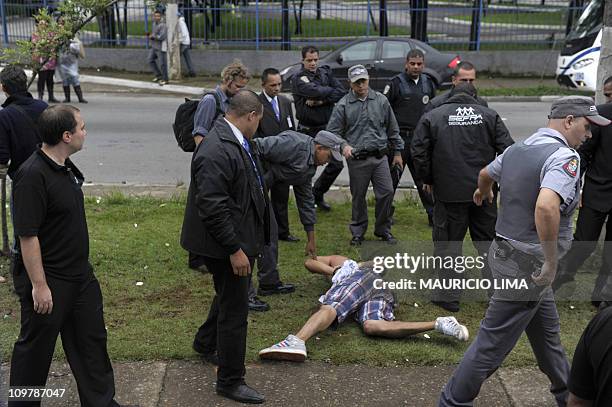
(257, 25)
(4, 23)
(369, 10)
(480, 10)
(146, 24)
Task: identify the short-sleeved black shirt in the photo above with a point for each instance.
(591, 375)
(48, 203)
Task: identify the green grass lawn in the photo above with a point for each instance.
(243, 27)
(520, 17)
(136, 240)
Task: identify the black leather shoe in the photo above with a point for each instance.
(387, 237)
(321, 204)
(207, 356)
(289, 238)
(452, 306)
(281, 288)
(356, 240)
(241, 393)
(255, 304)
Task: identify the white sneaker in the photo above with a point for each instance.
(449, 326)
(291, 348)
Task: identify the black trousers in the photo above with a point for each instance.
(330, 172)
(78, 317)
(279, 198)
(45, 78)
(588, 228)
(225, 329)
(426, 199)
(451, 223)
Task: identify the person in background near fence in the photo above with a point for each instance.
(58, 291)
(185, 40)
(69, 69)
(315, 90)
(47, 71)
(159, 48)
(409, 92)
(365, 119)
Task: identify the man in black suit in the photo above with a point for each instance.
(227, 223)
(278, 117)
(596, 206)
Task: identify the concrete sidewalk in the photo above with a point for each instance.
(191, 384)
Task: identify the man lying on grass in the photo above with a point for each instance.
(353, 293)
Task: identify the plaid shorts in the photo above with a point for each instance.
(357, 295)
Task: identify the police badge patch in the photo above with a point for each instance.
(571, 167)
(425, 99)
(305, 79)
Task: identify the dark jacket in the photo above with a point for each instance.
(453, 143)
(226, 208)
(596, 164)
(443, 98)
(289, 158)
(409, 99)
(320, 85)
(269, 126)
(19, 134)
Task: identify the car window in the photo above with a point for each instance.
(395, 49)
(359, 52)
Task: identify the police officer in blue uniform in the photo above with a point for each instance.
(409, 92)
(539, 189)
(315, 91)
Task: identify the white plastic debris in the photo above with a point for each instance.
(135, 225)
(146, 267)
(167, 244)
(416, 305)
(162, 205)
(98, 200)
(139, 283)
(572, 307)
(426, 336)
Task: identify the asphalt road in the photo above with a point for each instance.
(130, 139)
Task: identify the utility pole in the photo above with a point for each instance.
(174, 47)
(285, 36)
(382, 18)
(604, 70)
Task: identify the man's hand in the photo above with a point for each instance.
(480, 197)
(547, 274)
(347, 151)
(313, 103)
(240, 263)
(197, 139)
(428, 188)
(311, 250)
(397, 160)
(43, 301)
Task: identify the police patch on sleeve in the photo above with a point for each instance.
(387, 89)
(425, 99)
(304, 79)
(571, 167)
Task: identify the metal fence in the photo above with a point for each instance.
(447, 24)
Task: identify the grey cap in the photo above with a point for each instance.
(357, 72)
(577, 106)
(329, 139)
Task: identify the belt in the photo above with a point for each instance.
(363, 154)
(526, 262)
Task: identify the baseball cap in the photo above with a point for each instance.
(329, 139)
(577, 106)
(357, 72)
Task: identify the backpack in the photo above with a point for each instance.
(183, 121)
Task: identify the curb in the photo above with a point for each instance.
(191, 90)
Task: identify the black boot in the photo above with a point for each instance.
(52, 98)
(66, 94)
(79, 93)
